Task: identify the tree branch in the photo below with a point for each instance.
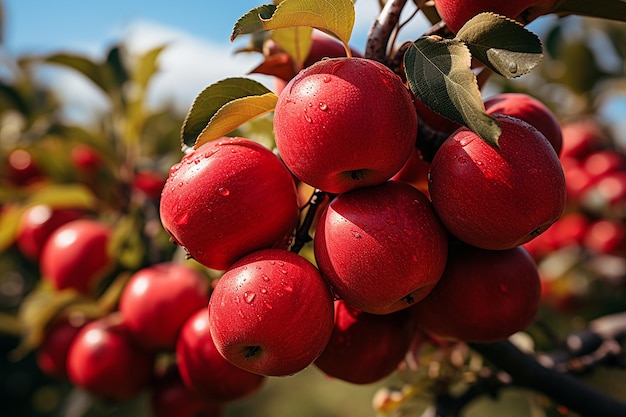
(563, 388)
(381, 31)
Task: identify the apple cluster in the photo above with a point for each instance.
(400, 245)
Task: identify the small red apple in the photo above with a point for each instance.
(150, 183)
(581, 137)
(22, 168)
(158, 299)
(325, 128)
(365, 348)
(169, 396)
(271, 313)
(456, 12)
(103, 360)
(530, 110)
(52, 353)
(381, 248)
(483, 295)
(228, 198)
(415, 172)
(601, 162)
(76, 255)
(86, 158)
(204, 371)
(37, 223)
(606, 236)
(497, 198)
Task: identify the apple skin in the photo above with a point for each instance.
(76, 255)
(37, 223)
(103, 360)
(456, 12)
(260, 313)
(203, 369)
(415, 172)
(483, 296)
(170, 397)
(365, 348)
(497, 198)
(213, 206)
(158, 299)
(51, 354)
(530, 110)
(333, 136)
(381, 248)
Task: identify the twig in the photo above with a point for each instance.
(303, 234)
(382, 30)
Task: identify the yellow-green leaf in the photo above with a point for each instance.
(335, 17)
(237, 99)
(439, 73)
(504, 45)
(9, 220)
(251, 22)
(64, 195)
(296, 42)
(235, 113)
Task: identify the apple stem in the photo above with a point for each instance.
(303, 235)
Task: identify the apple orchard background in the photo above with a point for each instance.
(46, 110)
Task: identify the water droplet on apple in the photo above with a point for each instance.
(249, 297)
(183, 219)
(267, 305)
(462, 160)
(223, 191)
(326, 79)
(281, 263)
(307, 117)
(284, 271)
(286, 286)
(181, 184)
(323, 106)
(356, 234)
(265, 278)
(263, 290)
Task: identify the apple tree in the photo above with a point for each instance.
(439, 220)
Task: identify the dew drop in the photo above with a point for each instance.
(323, 106)
(267, 305)
(462, 160)
(249, 297)
(223, 191)
(307, 117)
(326, 79)
(265, 278)
(281, 263)
(286, 286)
(284, 271)
(356, 234)
(181, 184)
(263, 290)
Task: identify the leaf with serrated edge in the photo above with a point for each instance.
(504, 45)
(212, 99)
(438, 71)
(235, 113)
(251, 21)
(335, 17)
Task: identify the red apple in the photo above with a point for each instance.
(530, 110)
(577, 179)
(606, 236)
(607, 195)
(580, 138)
(76, 255)
(601, 162)
(365, 348)
(150, 183)
(86, 158)
(415, 172)
(22, 168)
(326, 131)
(228, 198)
(497, 198)
(52, 353)
(169, 396)
(381, 248)
(158, 299)
(456, 12)
(204, 371)
(271, 313)
(37, 223)
(103, 360)
(483, 295)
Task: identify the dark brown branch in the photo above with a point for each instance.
(562, 388)
(303, 233)
(378, 38)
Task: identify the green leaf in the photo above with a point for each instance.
(9, 220)
(504, 45)
(147, 66)
(335, 17)
(64, 195)
(83, 65)
(438, 72)
(296, 42)
(605, 9)
(224, 106)
(251, 22)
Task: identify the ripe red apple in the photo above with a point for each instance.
(150, 183)
(76, 255)
(51, 354)
(415, 172)
(204, 371)
(227, 198)
(365, 348)
(581, 137)
(158, 299)
(606, 236)
(86, 158)
(22, 168)
(483, 295)
(601, 162)
(497, 198)
(37, 223)
(103, 360)
(577, 179)
(271, 313)
(381, 248)
(169, 396)
(456, 12)
(333, 136)
(530, 110)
